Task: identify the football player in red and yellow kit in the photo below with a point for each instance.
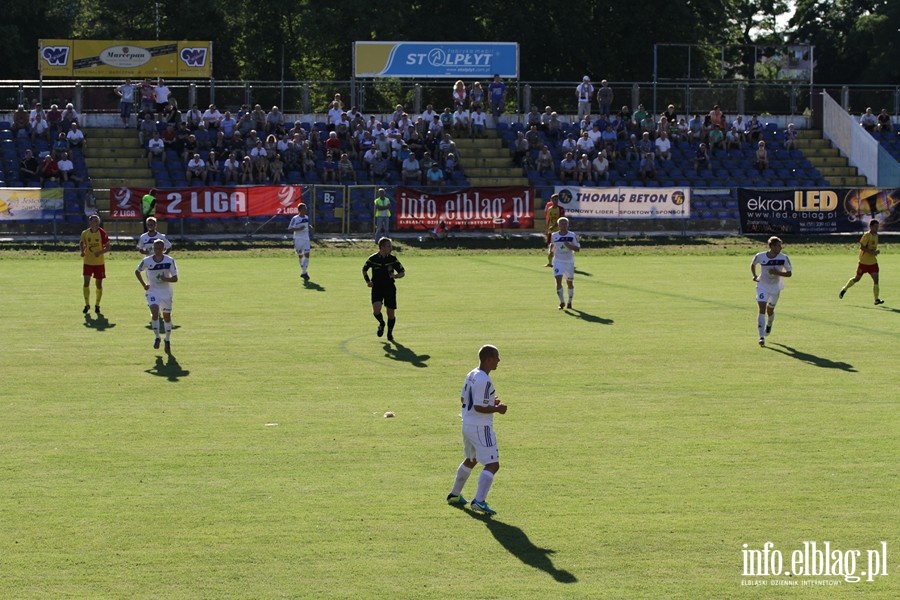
(868, 261)
(94, 246)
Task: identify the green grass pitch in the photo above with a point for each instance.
(648, 437)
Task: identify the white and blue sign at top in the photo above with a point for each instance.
(453, 60)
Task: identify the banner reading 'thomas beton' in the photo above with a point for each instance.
(125, 58)
(625, 202)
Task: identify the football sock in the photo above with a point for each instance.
(484, 485)
(155, 326)
(559, 293)
(875, 290)
(168, 329)
(761, 325)
(304, 263)
(462, 476)
(87, 294)
(771, 318)
(99, 295)
(379, 318)
(391, 325)
(571, 294)
(850, 284)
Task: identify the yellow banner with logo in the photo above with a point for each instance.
(120, 59)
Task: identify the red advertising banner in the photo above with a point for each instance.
(208, 202)
(472, 208)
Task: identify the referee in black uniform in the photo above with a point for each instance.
(385, 269)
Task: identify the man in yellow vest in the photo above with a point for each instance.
(382, 215)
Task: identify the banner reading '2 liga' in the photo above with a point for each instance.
(208, 202)
(625, 202)
(121, 59)
(455, 60)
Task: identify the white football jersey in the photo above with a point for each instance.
(165, 267)
(478, 390)
(561, 252)
(767, 281)
(145, 242)
(301, 223)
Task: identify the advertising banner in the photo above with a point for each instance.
(625, 202)
(208, 202)
(807, 211)
(31, 204)
(473, 208)
(124, 58)
(455, 60)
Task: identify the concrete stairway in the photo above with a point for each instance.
(115, 158)
(487, 163)
(828, 160)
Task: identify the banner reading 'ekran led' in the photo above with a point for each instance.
(208, 202)
(473, 208)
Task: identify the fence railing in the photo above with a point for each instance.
(380, 96)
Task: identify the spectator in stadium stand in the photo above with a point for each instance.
(435, 176)
(670, 114)
(662, 125)
(600, 168)
(146, 128)
(40, 128)
(446, 119)
(479, 118)
(604, 98)
(645, 145)
(247, 171)
(28, 167)
(172, 114)
(450, 165)
(583, 169)
(221, 145)
(48, 170)
(276, 169)
(156, 148)
(701, 159)
(583, 94)
(212, 117)
(231, 169)
(228, 125)
(567, 167)
(161, 93)
(54, 115)
(790, 137)
(60, 145)
(754, 129)
(648, 167)
(553, 126)
(69, 116)
(145, 90)
(649, 125)
(534, 138)
(459, 95)
(519, 149)
(333, 144)
(37, 110)
(733, 139)
(718, 117)
(544, 162)
(461, 123)
(639, 115)
(476, 95)
(684, 133)
(194, 117)
(190, 148)
(869, 121)
(260, 155)
(125, 92)
(716, 138)
(497, 91)
(334, 116)
(212, 168)
(245, 124)
(196, 169)
(533, 117)
(884, 121)
(345, 170)
(762, 157)
(67, 169)
(610, 142)
(275, 121)
(76, 137)
(410, 170)
(380, 168)
(695, 125)
(329, 167)
(307, 159)
(20, 122)
(291, 155)
(632, 152)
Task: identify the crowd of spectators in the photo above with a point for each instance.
(44, 147)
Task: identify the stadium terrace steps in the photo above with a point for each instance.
(115, 158)
(827, 159)
(487, 163)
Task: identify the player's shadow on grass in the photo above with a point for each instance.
(399, 352)
(312, 285)
(170, 369)
(583, 273)
(884, 308)
(100, 323)
(588, 317)
(149, 327)
(519, 545)
(812, 359)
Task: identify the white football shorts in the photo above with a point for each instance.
(161, 299)
(770, 298)
(566, 269)
(479, 443)
(301, 246)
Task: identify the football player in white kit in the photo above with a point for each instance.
(161, 274)
(299, 225)
(565, 245)
(774, 267)
(479, 403)
(145, 242)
